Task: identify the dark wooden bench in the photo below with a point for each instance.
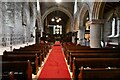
(92, 50)
(30, 49)
(99, 74)
(33, 59)
(47, 46)
(44, 48)
(22, 69)
(94, 63)
(7, 76)
(91, 55)
(40, 49)
(73, 47)
(76, 47)
(39, 54)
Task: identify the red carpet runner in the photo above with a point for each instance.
(55, 67)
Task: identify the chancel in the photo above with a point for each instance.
(59, 40)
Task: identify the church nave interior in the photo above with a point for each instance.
(57, 39)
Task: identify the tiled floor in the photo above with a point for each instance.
(2, 49)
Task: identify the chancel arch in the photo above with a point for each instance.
(62, 9)
(84, 16)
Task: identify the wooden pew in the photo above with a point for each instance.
(70, 48)
(39, 54)
(44, 48)
(47, 46)
(92, 50)
(99, 74)
(91, 55)
(22, 69)
(79, 49)
(40, 49)
(66, 47)
(94, 63)
(7, 76)
(33, 59)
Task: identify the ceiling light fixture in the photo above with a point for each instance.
(56, 19)
(52, 19)
(58, 1)
(59, 19)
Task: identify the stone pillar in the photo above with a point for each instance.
(82, 34)
(78, 36)
(0, 23)
(95, 33)
(37, 36)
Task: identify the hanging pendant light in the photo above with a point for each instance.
(58, 1)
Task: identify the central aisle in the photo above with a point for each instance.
(55, 66)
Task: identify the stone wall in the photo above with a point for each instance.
(67, 26)
(17, 22)
(108, 28)
(0, 22)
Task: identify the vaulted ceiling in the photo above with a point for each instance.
(111, 6)
(45, 6)
(57, 14)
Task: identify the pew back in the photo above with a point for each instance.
(39, 54)
(91, 55)
(22, 69)
(33, 59)
(7, 76)
(97, 62)
(99, 73)
(94, 63)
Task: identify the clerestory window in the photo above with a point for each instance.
(115, 27)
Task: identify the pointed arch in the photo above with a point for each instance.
(98, 8)
(60, 8)
(85, 8)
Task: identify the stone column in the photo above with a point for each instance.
(0, 23)
(37, 36)
(78, 36)
(81, 34)
(95, 33)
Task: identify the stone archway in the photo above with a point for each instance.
(96, 24)
(109, 11)
(97, 12)
(62, 9)
(82, 13)
(85, 10)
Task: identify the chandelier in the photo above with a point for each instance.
(56, 19)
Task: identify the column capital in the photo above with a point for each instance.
(96, 21)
